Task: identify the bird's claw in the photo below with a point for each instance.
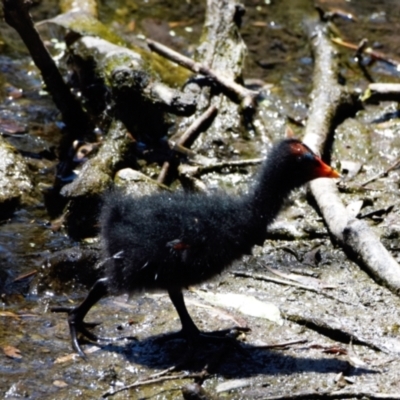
(78, 326)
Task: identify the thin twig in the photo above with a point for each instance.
(191, 133)
(281, 345)
(138, 383)
(24, 276)
(188, 137)
(206, 169)
(287, 283)
(245, 96)
(382, 174)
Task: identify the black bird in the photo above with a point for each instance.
(172, 240)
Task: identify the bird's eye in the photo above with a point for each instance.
(308, 156)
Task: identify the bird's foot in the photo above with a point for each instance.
(194, 337)
(224, 339)
(78, 326)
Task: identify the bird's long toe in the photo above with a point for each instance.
(75, 343)
(78, 326)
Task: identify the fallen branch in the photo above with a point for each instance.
(245, 96)
(328, 98)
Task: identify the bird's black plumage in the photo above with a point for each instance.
(172, 240)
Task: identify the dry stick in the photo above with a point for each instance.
(245, 96)
(188, 137)
(218, 166)
(385, 88)
(192, 132)
(280, 345)
(267, 278)
(340, 330)
(16, 14)
(353, 235)
(382, 92)
(382, 174)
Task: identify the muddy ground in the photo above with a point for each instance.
(338, 333)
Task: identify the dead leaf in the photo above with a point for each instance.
(12, 352)
(9, 127)
(8, 314)
(74, 356)
(60, 384)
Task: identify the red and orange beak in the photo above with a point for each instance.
(325, 171)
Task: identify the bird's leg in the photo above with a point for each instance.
(189, 329)
(78, 313)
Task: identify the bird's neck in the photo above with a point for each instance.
(267, 197)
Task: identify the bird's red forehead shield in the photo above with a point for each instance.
(325, 171)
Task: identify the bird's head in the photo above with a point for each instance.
(300, 164)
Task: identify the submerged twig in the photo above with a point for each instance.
(156, 379)
(24, 276)
(376, 55)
